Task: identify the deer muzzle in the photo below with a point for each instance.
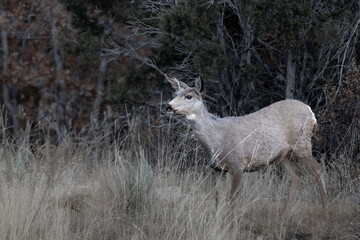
(169, 108)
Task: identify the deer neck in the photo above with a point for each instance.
(203, 125)
(201, 118)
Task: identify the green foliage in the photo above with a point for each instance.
(132, 87)
(190, 32)
(191, 20)
(243, 45)
(87, 14)
(86, 47)
(209, 58)
(95, 21)
(340, 124)
(328, 24)
(290, 23)
(81, 18)
(279, 22)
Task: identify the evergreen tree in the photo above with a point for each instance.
(95, 21)
(257, 49)
(190, 41)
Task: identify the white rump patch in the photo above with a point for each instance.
(312, 115)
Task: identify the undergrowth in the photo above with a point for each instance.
(120, 190)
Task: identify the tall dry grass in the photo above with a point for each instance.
(53, 192)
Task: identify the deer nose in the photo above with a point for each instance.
(168, 108)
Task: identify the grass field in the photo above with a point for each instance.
(63, 192)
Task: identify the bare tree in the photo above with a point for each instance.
(60, 81)
(290, 77)
(10, 91)
(98, 107)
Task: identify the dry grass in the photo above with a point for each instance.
(49, 192)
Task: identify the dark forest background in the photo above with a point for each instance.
(70, 66)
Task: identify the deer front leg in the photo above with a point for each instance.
(236, 177)
(215, 179)
(235, 180)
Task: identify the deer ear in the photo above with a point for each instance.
(199, 85)
(176, 84)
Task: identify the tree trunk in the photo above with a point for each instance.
(225, 88)
(9, 92)
(98, 110)
(290, 77)
(302, 77)
(247, 40)
(61, 86)
(242, 53)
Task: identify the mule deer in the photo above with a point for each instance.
(275, 134)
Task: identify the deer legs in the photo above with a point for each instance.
(316, 170)
(295, 173)
(217, 179)
(235, 180)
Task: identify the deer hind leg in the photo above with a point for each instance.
(316, 170)
(295, 173)
(303, 152)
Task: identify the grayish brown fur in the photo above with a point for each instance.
(276, 133)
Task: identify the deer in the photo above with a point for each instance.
(279, 133)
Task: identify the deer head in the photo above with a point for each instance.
(188, 100)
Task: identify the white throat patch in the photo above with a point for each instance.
(191, 116)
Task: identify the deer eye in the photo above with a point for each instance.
(188, 97)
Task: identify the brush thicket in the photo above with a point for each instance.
(130, 190)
